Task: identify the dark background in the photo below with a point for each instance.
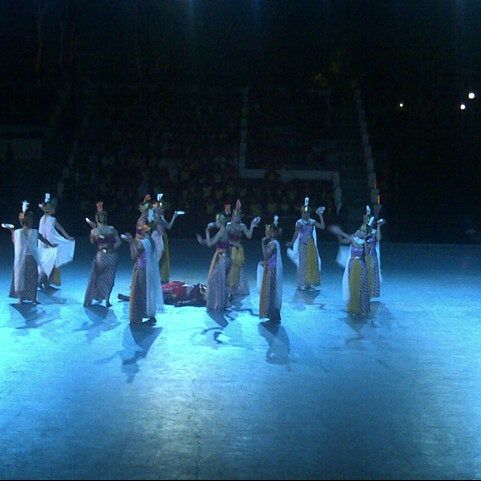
(424, 53)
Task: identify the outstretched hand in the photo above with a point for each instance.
(335, 229)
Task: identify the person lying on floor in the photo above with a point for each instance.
(180, 294)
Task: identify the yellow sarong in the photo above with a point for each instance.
(165, 260)
(238, 259)
(354, 306)
(313, 277)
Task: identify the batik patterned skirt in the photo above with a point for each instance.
(102, 277)
(165, 261)
(138, 295)
(31, 281)
(237, 277)
(373, 276)
(268, 296)
(359, 302)
(217, 295)
(308, 272)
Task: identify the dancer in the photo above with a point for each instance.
(269, 274)
(27, 257)
(63, 253)
(145, 291)
(104, 267)
(304, 253)
(373, 254)
(355, 288)
(236, 229)
(217, 280)
(180, 294)
(162, 226)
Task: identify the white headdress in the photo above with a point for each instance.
(25, 205)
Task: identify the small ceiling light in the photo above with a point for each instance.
(462, 106)
(471, 95)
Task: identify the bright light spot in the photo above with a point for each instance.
(462, 106)
(471, 95)
(401, 105)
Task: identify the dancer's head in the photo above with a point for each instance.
(306, 209)
(221, 220)
(237, 213)
(146, 204)
(159, 204)
(273, 231)
(49, 205)
(101, 216)
(26, 215)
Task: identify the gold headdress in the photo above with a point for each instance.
(238, 208)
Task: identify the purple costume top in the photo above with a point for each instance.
(223, 245)
(371, 243)
(357, 252)
(305, 231)
(106, 242)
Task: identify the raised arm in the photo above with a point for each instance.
(62, 231)
(341, 235)
(118, 242)
(321, 224)
(249, 232)
(380, 223)
(169, 225)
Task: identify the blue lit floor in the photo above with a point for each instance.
(83, 396)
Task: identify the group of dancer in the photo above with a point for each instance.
(39, 254)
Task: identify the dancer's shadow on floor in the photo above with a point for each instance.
(279, 349)
(48, 297)
(219, 317)
(356, 324)
(303, 298)
(381, 316)
(137, 342)
(32, 314)
(102, 319)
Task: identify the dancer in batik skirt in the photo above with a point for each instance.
(269, 274)
(145, 291)
(304, 253)
(236, 230)
(104, 267)
(53, 258)
(160, 233)
(355, 288)
(372, 228)
(217, 296)
(27, 257)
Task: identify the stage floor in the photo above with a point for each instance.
(82, 395)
